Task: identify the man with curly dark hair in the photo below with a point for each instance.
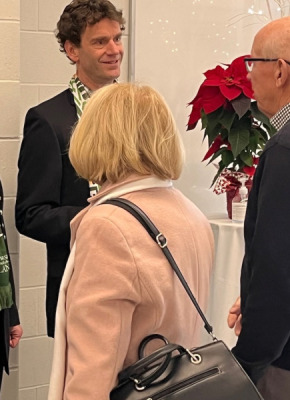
(49, 192)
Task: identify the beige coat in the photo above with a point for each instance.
(122, 287)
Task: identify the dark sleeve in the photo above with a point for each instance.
(42, 211)
(265, 279)
(13, 316)
(13, 312)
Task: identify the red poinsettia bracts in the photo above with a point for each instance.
(208, 99)
(232, 81)
(251, 170)
(236, 130)
(215, 146)
(220, 86)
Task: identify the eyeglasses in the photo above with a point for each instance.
(249, 62)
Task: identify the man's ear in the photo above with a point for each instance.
(282, 73)
(72, 51)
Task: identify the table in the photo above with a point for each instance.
(225, 281)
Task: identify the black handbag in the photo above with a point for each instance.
(209, 372)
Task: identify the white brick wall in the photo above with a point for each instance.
(31, 70)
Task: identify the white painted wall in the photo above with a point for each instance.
(175, 42)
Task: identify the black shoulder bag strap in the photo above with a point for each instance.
(160, 239)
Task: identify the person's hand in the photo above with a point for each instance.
(15, 335)
(235, 317)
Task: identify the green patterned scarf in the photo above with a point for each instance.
(81, 95)
(6, 300)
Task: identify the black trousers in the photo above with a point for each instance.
(3, 343)
(275, 384)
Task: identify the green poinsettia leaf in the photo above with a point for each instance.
(259, 138)
(221, 167)
(259, 116)
(243, 123)
(212, 125)
(224, 133)
(254, 141)
(215, 115)
(239, 139)
(238, 164)
(212, 131)
(203, 119)
(262, 144)
(227, 157)
(247, 158)
(216, 155)
(260, 134)
(227, 119)
(241, 105)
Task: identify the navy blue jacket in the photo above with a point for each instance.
(265, 277)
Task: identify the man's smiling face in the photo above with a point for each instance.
(99, 57)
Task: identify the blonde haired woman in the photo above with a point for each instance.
(118, 286)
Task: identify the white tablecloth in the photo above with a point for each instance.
(225, 284)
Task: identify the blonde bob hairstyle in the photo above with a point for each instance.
(126, 129)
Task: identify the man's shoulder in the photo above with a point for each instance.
(60, 101)
(57, 115)
(282, 137)
(58, 111)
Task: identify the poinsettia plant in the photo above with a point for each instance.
(235, 128)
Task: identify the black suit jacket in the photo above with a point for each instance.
(8, 317)
(49, 192)
(265, 278)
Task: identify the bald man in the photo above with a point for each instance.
(261, 317)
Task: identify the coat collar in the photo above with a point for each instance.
(131, 184)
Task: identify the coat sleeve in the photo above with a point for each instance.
(12, 311)
(101, 299)
(39, 211)
(265, 280)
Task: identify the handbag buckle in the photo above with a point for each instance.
(161, 240)
(195, 358)
(137, 385)
(214, 338)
